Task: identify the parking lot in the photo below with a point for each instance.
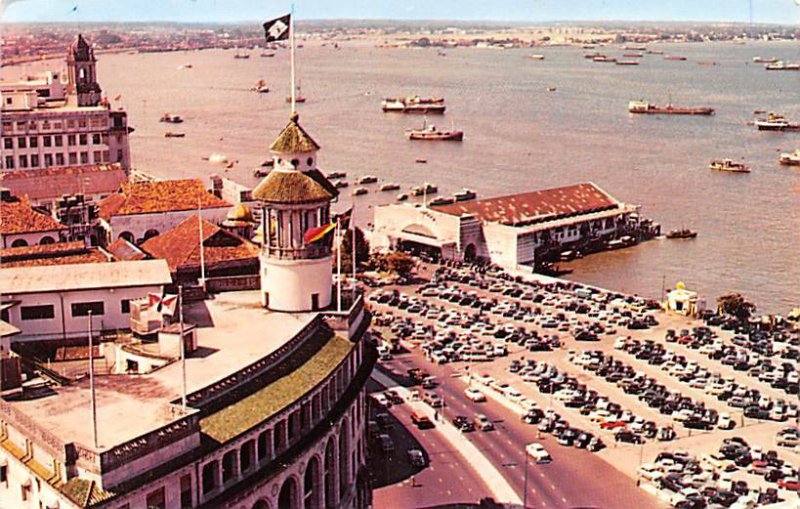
(611, 373)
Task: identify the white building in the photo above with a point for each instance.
(49, 122)
(296, 197)
(508, 230)
(21, 225)
(53, 302)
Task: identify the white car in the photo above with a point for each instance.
(650, 472)
(381, 399)
(538, 453)
(475, 395)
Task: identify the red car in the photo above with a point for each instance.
(613, 424)
(789, 483)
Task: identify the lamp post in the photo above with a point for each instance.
(525, 483)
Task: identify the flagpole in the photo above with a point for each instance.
(353, 241)
(91, 383)
(202, 251)
(338, 266)
(291, 55)
(183, 347)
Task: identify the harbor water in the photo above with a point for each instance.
(518, 137)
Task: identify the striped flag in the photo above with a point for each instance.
(318, 233)
(344, 218)
(277, 29)
(165, 304)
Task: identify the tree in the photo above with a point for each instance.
(362, 250)
(400, 263)
(734, 304)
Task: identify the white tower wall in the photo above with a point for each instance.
(289, 285)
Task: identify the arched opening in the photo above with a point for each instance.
(287, 499)
(228, 466)
(247, 456)
(149, 234)
(344, 458)
(19, 243)
(127, 236)
(261, 504)
(469, 252)
(330, 475)
(311, 485)
(47, 240)
(210, 472)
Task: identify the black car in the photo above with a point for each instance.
(582, 441)
(724, 498)
(534, 416)
(628, 437)
(463, 424)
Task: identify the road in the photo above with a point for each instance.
(575, 478)
(447, 478)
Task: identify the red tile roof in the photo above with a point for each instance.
(59, 253)
(124, 250)
(17, 216)
(180, 246)
(51, 183)
(159, 196)
(535, 206)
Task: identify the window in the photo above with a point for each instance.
(71, 140)
(83, 308)
(48, 141)
(23, 161)
(33, 142)
(82, 122)
(9, 162)
(4, 474)
(59, 140)
(48, 160)
(22, 142)
(34, 160)
(83, 139)
(8, 143)
(73, 158)
(97, 157)
(96, 139)
(119, 156)
(70, 124)
(210, 476)
(186, 492)
(125, 305)
(157, 499)
(43, 312)
(84, 157)
(59, 159)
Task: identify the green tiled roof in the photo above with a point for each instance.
(235, 419)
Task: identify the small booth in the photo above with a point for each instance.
(682, 301)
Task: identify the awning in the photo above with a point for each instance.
(422, 239)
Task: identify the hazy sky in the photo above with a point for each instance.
(766, 11)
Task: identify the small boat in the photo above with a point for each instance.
(535, 57)
(683, 233)
(551, 89)
(170, 134)
(781, 66)
(171, 119)
(790, 158)
(592, 56)
(298, 96)
(762, 60)
(421, 161)
(267, 55)
(465, 195)
(402, 197)
(674, 58)
(217, 158)
(260, 87)
(185, 66)
(441, 200)
(340, 184)
(413, 104)
(390, 187)
(627, 62)
(654, 52)
(728, 165)
(624, 241)
(633, 55)
(759, 112)
(336, 175)
(424, 189)
(268, 163)
(368, 179)
(605, 59)
(775, 122)
(360, 191)
(635, 48)
(430, 133)
(239, 55)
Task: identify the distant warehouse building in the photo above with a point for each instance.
(513, 230)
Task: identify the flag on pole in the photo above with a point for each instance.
(164, 304)
(314, 234)
(344, 218)
(277, 29)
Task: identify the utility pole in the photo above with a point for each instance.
(525, 483)
(91, 383)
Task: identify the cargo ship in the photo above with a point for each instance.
(669, 109)
(728, 165)
(790, 158)
(775, 122)
(413, 104)
(781, 66)
(430, 133)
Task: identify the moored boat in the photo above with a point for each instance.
(728, 165)
(782, 66)
(171, 119)
(651, 109)
(536, 57)
(762, 60)
(336, 175)
(605, 59)
(390, 187)
(360, 191)
(413, 104)
(683, 233)
(627, 62)
(170, 134)
(775, 122)
(465, 195)
(790, 158)
(340, 184)
(368, 179)
(674, 57)
(425, 188)
(260, 87)
(402, 197)
(430, 133)
(442, 200)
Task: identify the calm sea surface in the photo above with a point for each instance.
(518, 137)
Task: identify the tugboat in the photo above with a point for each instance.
(171, 119)
(775, 122)
(430, 133)
(651, 109)
(683, 233)
(414, 104)
(790, 158)
(729, 166)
